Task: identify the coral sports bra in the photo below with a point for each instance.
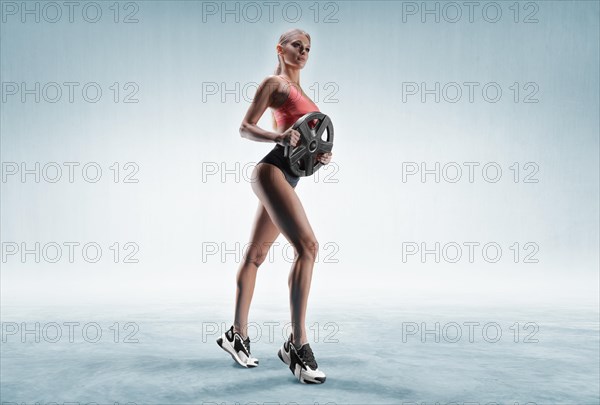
(294, 107)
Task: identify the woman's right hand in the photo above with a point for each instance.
(289, 137)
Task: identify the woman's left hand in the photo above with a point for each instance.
(324, 157)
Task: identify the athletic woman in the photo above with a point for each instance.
(279, 210)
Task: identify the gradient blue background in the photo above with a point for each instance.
(359, 206)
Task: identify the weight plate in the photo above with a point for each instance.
(312, 127)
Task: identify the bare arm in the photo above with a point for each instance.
(262, 100)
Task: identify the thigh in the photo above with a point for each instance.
(264, 232)
(282, 204)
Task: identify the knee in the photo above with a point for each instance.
(255, 255)
(307, 248)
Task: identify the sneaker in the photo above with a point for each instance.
(239, 348)
(301, 362)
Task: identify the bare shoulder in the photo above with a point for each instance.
(269, 85)
(273, 82)
(275, 88)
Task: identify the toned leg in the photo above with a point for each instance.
(263, 234)
(287, 213)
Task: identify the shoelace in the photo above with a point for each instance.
(306, 354)
(246, 343)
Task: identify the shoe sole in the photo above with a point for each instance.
(228, 347)
(299, 371)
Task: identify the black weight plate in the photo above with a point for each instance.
(301, 158)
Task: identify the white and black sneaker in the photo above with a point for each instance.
(301, 362)
(238, 348)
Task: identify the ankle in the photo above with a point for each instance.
(243, 334)
(299, 342)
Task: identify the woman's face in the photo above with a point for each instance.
(295, 52)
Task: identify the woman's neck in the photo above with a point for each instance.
(292, 75)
